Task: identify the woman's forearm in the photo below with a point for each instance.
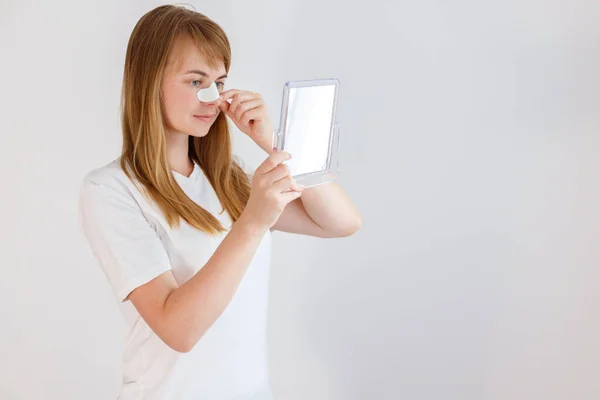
(329, 206)
(194, 306)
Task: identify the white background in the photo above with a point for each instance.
(470, 142)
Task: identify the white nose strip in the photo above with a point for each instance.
(209, 94)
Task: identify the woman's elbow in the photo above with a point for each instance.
(178, 345)
(350, 227)
(181, 343)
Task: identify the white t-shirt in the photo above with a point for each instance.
(133, 244)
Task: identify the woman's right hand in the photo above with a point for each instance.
(272, 189)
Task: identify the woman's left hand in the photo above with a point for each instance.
(248, 112)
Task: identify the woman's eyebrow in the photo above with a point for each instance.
(196, 71)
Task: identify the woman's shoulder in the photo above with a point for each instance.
(106, 173)
(110, 177)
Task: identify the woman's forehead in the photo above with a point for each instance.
(187, 56)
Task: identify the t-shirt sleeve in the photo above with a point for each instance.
(122, 240)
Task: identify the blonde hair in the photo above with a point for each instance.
(144, 152)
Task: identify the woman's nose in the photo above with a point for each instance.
(214, 103)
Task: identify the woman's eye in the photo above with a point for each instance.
(196, 83)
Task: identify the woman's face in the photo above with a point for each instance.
(187, 73)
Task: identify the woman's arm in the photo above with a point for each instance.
(180, 315)
(322, 211)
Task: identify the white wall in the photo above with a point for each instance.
(469, 143)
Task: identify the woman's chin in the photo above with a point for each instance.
(199, 133)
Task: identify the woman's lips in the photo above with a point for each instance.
(205, 118)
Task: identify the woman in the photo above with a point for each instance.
(181, 230)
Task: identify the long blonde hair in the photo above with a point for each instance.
(144, 153)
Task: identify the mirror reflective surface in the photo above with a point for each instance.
(308, 128)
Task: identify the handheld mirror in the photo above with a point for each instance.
(309, 131)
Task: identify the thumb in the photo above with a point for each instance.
(290, 196)
(224, 106)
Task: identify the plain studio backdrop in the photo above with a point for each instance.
(470, 142)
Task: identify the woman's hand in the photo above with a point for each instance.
(272, 189)
(248, 112)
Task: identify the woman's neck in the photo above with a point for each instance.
(178, 153)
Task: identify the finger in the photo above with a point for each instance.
(240, 98)
(248, 110)
(272, 161)
(224, 106)
(286, 184)
(290, 196)
(228, 94)
(278, 173)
